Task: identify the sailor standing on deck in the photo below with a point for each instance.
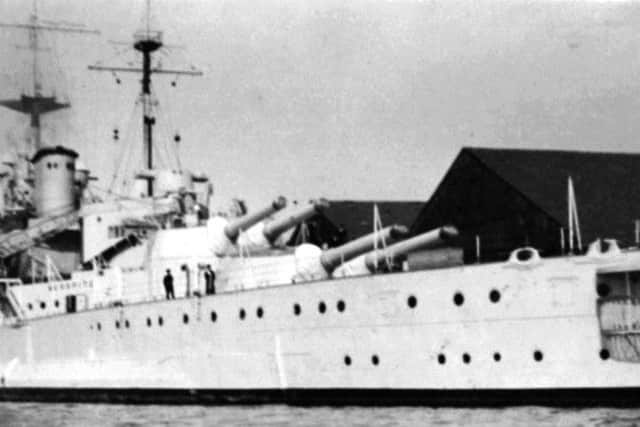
(210, 280)
(168, 285)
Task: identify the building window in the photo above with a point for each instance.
(375, 359)
(347, 360)
(466, 358)
(259, 312)
(185, 318)
(99, 326)
(117, 324)
(56, 303)
(126, 324)
(497, 357)
(30, 306)
(214, 316)
(442, 359)
(604, 354)
(115, 231)
(160, 321)
(341, 306)
(43, 305)
(148, 321)
(296, 309)
(242, 314)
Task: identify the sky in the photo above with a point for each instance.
(341, 99)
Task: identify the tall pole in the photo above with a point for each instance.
(35, 110)
(146, 46)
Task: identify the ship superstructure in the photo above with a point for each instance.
(170, 302)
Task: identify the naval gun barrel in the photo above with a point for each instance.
(425, 240)
(274, 228)
(331, 258)
(232, 229)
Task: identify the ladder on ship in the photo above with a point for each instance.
(20, 240)
(9, 306)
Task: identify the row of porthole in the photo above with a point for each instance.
(458, 298)
(297, 310)
(43, 305)
(538, 356)
(375, 360)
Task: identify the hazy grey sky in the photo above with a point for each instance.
(344, 99)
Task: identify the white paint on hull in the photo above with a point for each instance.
(550, 308)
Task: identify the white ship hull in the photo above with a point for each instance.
(377, 350)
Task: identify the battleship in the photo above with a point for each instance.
(158, 299)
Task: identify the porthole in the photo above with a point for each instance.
(148, 321)
(604, 354)
(341, 306)
(603, 290)
(497, 357)
(347, 360)
(43, 305)
(494, 296)
(259, 312)
(185, 318)
(537, 356)
(466, 358)
(214, 316)
(375, 359)
(412, 301)
(160, 321)
(458, 299)
(126, 324)
(442, 359)
(296, 309)
(117, 324)
(322, 307)
(242, 314)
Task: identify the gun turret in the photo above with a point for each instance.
(223, 234)
(263, 235)
(232, 229)
(314, 264)
(369, 262)
(274, 228)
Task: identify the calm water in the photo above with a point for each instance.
(25, 414)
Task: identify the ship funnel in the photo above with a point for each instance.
(332, 258)
(426, 240)
(274, 228)
(232, 229)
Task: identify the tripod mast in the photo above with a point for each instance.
(147, 42)
(36, 104)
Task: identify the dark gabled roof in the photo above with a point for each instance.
(606, 184)
(356, 216)
(345, 220)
